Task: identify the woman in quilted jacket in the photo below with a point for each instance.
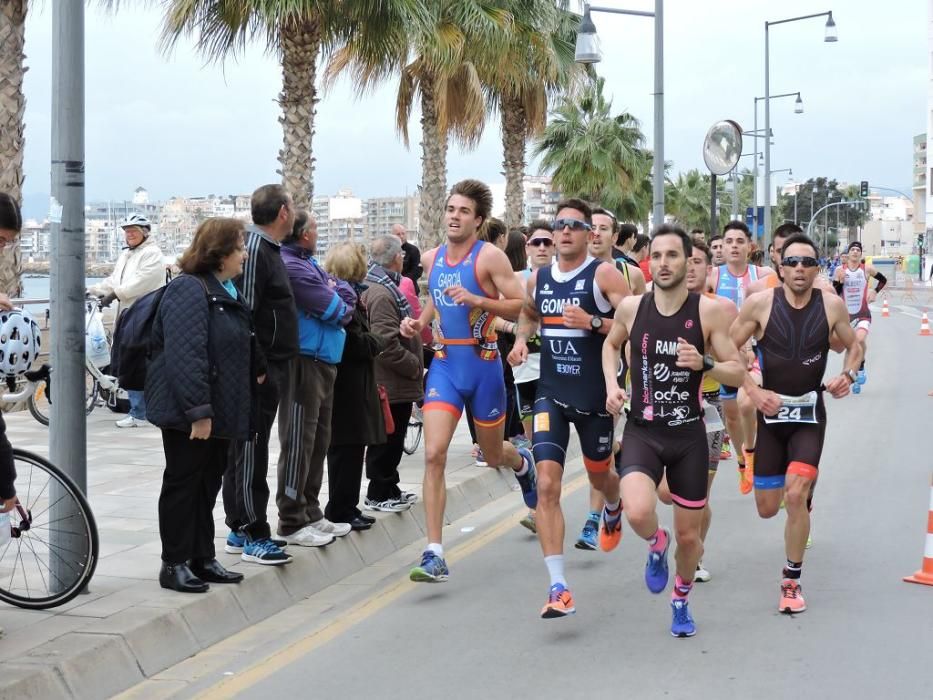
(198, 384)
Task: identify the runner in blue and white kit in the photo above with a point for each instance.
(731, 281)
(572, 301)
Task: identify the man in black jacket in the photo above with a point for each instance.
(411, 256)
(264, 284)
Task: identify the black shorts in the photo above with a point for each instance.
(552, 433)
(788, 448)
(680, 451)
(525, 395)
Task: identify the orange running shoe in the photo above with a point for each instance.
(559, 603)
(745, 480)
(749, 463)
(609, 539)
(791, 597)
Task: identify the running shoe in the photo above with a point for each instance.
(861, 377)
(433, 569)
(265, 552)
(528, 522)
(521, 442)
(529, 480)
(656, 572)
(237, 540)
(478, 457)
(682, 624)
(609, 538)
(408, 496)
(587, 538)
(726, 451)
(559, 603)
(745, 480)
(856, 388)
(701, 575)
(809, 541)
(791, 597)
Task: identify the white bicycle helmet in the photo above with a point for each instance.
(135, 219)
(20, 340)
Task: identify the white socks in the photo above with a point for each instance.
(435, 547)
(555, 568)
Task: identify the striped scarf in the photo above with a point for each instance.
(377, 275)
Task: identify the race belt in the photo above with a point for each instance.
(796, 409)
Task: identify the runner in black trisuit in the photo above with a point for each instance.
(672, 332)
(793, 324)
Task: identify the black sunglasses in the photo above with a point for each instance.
(573, 224)
(795, 260)
(537, 242)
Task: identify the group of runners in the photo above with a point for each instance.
(709, 343)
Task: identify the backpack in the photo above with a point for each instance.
(130, 353)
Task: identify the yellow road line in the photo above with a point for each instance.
(377, 601)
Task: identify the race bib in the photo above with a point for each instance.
(795, 409)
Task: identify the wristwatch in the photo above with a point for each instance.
(851, 376)
(596, 322)
(708, 363)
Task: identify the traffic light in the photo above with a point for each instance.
(920, 240)
(863, 189)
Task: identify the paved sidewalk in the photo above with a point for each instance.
(52, 652)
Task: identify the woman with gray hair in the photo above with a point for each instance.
(399, 371)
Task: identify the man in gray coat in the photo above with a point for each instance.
(400, 369)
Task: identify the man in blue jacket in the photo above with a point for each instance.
(325, 305)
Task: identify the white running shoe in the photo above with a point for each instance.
(130, 422)
(391, 505)
(326, 527)
(308, 537)
(702, 575)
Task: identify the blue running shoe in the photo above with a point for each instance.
(433, 569)
(264, 551)
(656, 573)
(682, 624)
(856, 388)
(587, 539)
(529, 481)
(861, 377)
(237, 540)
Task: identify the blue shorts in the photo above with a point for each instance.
(552, 433)
(460, 377)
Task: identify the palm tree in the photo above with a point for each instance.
(436, 62)
(592, 154)
(686, 199)
(12, 109)
(297, 32)
(536, 63)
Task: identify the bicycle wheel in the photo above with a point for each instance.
(413, 433)
(40, 402)
(54, 547)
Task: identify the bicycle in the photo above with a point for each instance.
(53, 544)
(98, 385)
(413, 433)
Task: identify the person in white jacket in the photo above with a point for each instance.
(139, 270)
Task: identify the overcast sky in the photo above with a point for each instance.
(179, 127)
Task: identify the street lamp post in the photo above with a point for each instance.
(830, 36)
(798, 109)
(587, 51)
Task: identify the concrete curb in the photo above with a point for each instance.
(112, 654)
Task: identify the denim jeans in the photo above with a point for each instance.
(137, 404)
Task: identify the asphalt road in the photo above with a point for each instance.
(866, 633)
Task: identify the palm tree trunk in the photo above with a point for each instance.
(12, 109)
(433, 168)
(301, 43)
(514, 128)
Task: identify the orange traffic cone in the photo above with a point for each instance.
(925, 325)
(925, 575)
(885, 311)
